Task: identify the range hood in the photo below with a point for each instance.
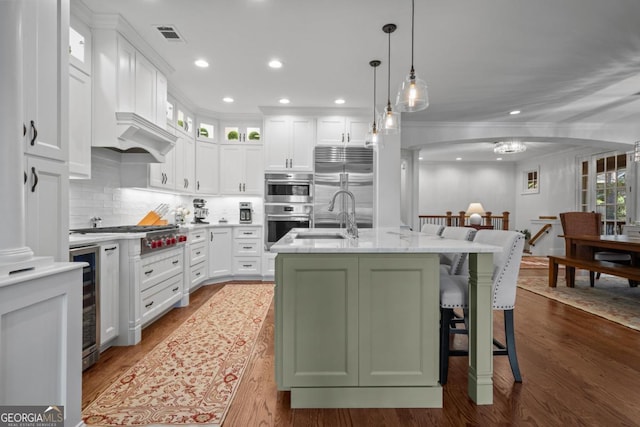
(137, 139)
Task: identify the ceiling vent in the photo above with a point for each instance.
(170, 33)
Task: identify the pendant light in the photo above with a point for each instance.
(373, 137)
(389, 121)
(412, 94)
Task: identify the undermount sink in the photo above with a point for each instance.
(320, 235)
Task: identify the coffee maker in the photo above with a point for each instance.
(199, 211)
(246, 210)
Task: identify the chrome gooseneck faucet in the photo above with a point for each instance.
(352, 225)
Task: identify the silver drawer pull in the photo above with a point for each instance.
(148, 305)
(175, 289)
(247, 265)
(176, 261)
(198, 253)
(247, 247)
(148, 272)
(197, 274)
(110, 249)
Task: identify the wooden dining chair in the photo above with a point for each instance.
(587, 224)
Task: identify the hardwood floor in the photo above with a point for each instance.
(578, 369)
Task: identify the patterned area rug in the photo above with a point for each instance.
(191, 377)
(611, 298)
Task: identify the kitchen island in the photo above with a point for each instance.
(357, 320)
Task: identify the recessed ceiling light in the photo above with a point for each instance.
(227, 99)
(458, 158)
(499, 158)
(419, 158)
(274, 63)
(339, 101)
(201, 63)
(514, 112)
(284, 101)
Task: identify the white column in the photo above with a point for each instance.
(387, 182)
(12, 211)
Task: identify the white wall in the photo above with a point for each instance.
(451, 186)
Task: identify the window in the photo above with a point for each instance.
(603, 189)
(531, 181)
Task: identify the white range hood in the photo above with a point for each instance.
(138, 140)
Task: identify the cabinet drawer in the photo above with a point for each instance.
(159, 297)
(246, 232)
(249, 265)
(198, 252)
(160, 267)
(197, 236)
(246, 247)
(198, 273)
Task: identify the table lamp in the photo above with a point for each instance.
(475, 211)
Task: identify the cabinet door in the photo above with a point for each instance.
(79, 123)
(185, 164)
(45, 58)
(277, 132)
(163, 175)
(231, 169)
(320, 332)
(161, 100)
(220, 252)
(357, 129)
(109, 291)
(189, 174)
(207, 167)
(253, 182)
(301, 144)
(145, 88)
(46, 203)
(126, 76)
(398, 320)
(331, 131)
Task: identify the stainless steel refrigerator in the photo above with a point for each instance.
(349, 168)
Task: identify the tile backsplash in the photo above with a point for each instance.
(102, 196)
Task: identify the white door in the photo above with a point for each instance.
(79, 123)
(109, 291)
(254, 171)
(302, 143)
(231, 169)
(277, 133)
(331, 131)
(220, 252)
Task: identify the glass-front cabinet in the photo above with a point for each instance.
(247, 131)
(206, 130)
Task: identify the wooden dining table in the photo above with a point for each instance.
(616, 243)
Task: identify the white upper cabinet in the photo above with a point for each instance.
(289, 143)
(339, 130)
(79, 123)
(184, 121)
(241, 170)
(207, 167)
(79, 99)
(185, 164)
(45, 67)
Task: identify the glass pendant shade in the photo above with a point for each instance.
(389, 121)
(372, 139)
(412, 94)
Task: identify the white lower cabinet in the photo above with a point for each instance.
(161, 283)
(109, 292)
(199, 257)
(220, 254)
(247, 251)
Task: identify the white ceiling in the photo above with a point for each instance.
(557, 61)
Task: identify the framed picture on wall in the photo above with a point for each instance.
(531, 181)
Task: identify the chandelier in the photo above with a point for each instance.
(509, 147)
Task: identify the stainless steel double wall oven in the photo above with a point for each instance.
(288, 203)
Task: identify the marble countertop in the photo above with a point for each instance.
(376, 240)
